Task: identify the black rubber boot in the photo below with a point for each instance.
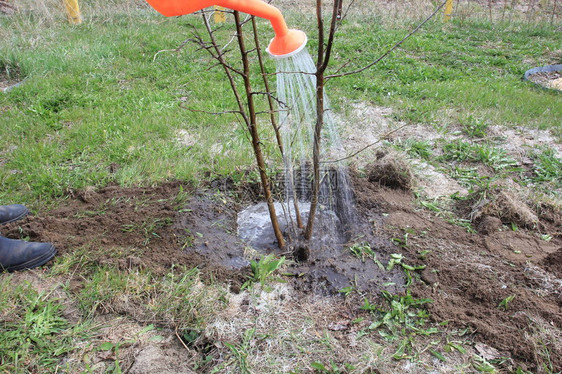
(11, 213)
(20, 255)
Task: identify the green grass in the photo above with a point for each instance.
(98, 107)
(35, 335)
(447, 74)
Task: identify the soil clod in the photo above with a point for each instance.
(391, 172)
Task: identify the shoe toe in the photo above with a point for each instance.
(19, 255)
(11, 213)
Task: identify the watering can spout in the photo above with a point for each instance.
(285, 43)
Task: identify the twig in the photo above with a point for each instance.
(181, 340)
(384, 136)
(391, 49)
(275, 98)
(177, 49)
(206, 112)
(347, 10)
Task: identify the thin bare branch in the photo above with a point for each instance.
(391, 49)
(383, 137)
(228, 73)
(207, 112)
(347, 10)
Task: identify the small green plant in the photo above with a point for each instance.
(504, 304)
(113, 348)
(474, 128)
(346, 291)
(180, 200)
(546, 237)
(333, 368)
(401, 242)
(363, 251)
(262, 270)
(482, 365)
(403, 319)
(240, 352)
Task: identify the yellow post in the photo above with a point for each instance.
(448, 10)
(73, 11)
(220, 15)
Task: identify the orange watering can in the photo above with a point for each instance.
(285, 43)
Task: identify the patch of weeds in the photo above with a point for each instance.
(417, 148)
(148, 228)
(547, 167)
(240, 352)
(79, 260)
(462, 151)
(466, 176)
(34, 334)
(457, 150)
(402, 320)
(102, 288)
(496, 158)
(474, 127)
(177, 298)
(262, 270)
(332, 368)
(181, 299)
(90, 213)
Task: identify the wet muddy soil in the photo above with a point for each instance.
(467, 275)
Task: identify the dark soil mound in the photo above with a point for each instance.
(390, 172)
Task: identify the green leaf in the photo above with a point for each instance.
(438, 355)
(318, 366)
(106, 346)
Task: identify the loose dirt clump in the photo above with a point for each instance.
(503, 205)
(390, 171)
(553, 263)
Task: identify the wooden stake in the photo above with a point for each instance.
(219, 14)
(448, 11)
(73, 11)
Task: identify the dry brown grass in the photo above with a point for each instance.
(388, 12)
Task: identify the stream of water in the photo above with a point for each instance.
(296, 92)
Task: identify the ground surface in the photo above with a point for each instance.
(467, 275)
